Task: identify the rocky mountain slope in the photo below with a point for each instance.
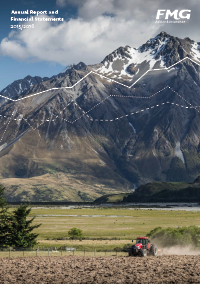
(77, 136)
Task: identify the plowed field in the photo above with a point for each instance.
(75, 269)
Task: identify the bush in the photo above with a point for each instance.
(75, 233)
(117, 249)
(182, 236)
(126, 247)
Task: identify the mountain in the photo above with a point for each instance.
(127, 63)
(19, 86)
(158, 192)
(105, 128)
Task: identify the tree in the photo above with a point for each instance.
(5, 228)
(22, 235)
(4, 220)
(16, 230)
(75, 233)
(2, 198)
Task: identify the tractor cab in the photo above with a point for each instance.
(143, 240)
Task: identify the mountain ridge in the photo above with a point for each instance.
(158, 192)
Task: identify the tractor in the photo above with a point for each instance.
(143, 247)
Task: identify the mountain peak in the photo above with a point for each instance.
(161, 36)
(163, 33)
(73, 66)
(161, 51)
(80, 65)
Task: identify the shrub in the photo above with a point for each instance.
(126, 248)
(176, 236)
(75, 233)
(117, 249)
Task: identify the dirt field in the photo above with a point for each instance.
(161, 269)
(86, 242)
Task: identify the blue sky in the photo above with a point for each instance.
(91, 30)
(11, 68)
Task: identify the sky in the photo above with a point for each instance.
(91, 30)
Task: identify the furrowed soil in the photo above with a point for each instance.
(82, 270)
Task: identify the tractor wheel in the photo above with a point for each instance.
(130, 252)
(143, 252)
(154, 250)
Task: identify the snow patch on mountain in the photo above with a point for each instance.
(129, 63)
(195, 51)
(118, 62)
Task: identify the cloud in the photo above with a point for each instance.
(101, 27)
(141, 10)
(72, 41)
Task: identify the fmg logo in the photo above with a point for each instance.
(176, 15)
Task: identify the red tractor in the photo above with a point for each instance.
(143, 247)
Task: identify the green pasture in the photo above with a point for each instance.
(104, 228)
(120, 223)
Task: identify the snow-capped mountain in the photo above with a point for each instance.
(79, 135)
(129, 64)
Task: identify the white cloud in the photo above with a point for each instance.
(14, 49)
(73, 41)
(141, 10)
(93, 35)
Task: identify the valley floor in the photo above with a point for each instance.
(105, 223)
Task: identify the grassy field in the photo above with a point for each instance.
(106, 223)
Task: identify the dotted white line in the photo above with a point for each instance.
(121, 96)
(103, 120)
(128, 97)
(56, 116)
(138, 111)
(6, 127)
(85, 113)
(110, 120)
